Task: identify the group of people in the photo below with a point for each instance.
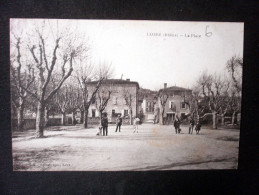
(177, 127)
(103, 129)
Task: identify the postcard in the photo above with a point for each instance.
(125, 95)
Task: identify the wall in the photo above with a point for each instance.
(119, 106)
(177, 103)
(31, 123)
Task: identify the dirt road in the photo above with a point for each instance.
(154, 147)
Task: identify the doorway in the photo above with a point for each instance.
(170, 118)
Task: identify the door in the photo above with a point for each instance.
(170, 118)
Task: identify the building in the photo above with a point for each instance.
(148, 101)
(123, 94)
(174, 106)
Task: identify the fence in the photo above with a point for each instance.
(31, 123)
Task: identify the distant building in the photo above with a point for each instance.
(148, 100)
(117, 104)
(175, 106)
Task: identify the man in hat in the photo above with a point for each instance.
(118, 123)
(104, 122)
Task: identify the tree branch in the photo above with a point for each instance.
(61, 81)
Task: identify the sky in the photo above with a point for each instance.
(142, 50)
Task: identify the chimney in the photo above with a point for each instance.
(127, 79)
(165, 85)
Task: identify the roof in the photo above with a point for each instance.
(175, 88)
(115, 81)
(147, 93)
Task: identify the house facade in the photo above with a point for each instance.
(148, 106)
(123, 94)
(174, 106)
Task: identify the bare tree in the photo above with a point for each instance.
(129, 99)
(75, 101)
(45, 60)
(235, 68)
(102, 98)
(194, 103)
(214, 91)
(63, 101)
(104, 70)
(21, 81)
(234, 105)
(84, 75)
(163, 97)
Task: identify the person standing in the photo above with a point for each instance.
(198, 127)
(105, 125)
(135, 123)
(176, 125)
(191, 126)
(118, 123)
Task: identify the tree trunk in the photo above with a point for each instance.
(222, 119)
(40, 122)
(46, 116)
(63, 119)
(86, 118)
(100, 115)
(20, 119)
(233, 118)
(238, 118)
(161, 120)
(73, 118)
(82, 116)
(131, 121)
(157, 115)
(215, 120)
(197, 116)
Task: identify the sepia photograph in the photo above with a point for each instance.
(125, 95)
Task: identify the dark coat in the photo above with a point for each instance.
(198, 126)
(104, 122)
(119, 121)
(176, 123)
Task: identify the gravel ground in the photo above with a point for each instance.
(154, 147)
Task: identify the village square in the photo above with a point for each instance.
(69, 114)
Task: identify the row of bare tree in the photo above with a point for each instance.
(214, 95)
(43, 75)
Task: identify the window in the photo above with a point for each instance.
(93, 113)
(149, 107)
(114, 100)
(126, 113)
(183, 105)
(171, 104)
(93, 101)
(113, 112)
